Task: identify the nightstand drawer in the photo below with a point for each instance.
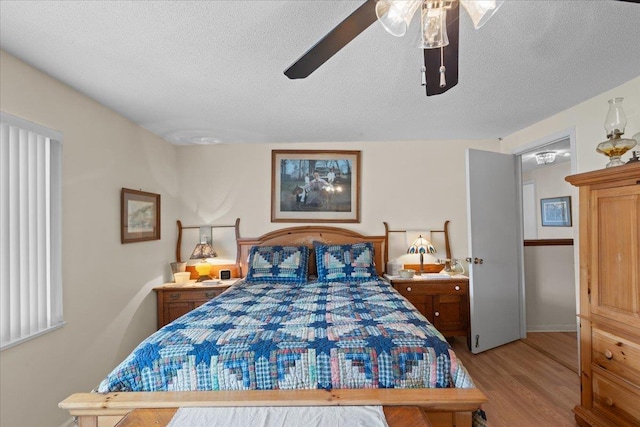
(418, 288)
(616, 400)
(617, 355)
(192, 295)
(177, 300)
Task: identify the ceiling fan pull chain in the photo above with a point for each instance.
(424, 75)
(443, 80)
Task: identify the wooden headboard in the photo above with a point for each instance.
(306, 235)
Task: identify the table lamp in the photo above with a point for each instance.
(421, 246)
(202, 251)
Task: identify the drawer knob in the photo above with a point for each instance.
(174, 296)
(437, 314)
(608, 401)
(210, 294)
(408, 288)
(457, 288)
(608, 354)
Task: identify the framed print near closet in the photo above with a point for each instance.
(315, 186)
(556, 212)
(139, 216)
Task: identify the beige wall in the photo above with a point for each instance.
(549, 182)
(549, 288)
(586, 121)
(108, 303)
(410, 185)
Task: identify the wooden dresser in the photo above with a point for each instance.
(609, 296)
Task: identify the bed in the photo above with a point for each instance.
(299, 330)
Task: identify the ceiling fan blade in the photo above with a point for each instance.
(335, 40)
(432, 60)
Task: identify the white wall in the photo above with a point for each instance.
(549, 182)
(108, 303)
(549, 288)
(549, 270)
(410, 185)
(587, 121)
(587, 118)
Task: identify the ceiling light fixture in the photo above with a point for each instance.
(439, 29)
(545, 157)
(395, 16)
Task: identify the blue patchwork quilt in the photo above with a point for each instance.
(294, 336)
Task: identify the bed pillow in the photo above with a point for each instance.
(278, 264)
(345, 263)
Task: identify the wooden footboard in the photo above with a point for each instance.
(445, 407)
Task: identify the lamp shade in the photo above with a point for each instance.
(395, 16)
(433, 21)
(616, 120)
(421, 246)
(481, 11)
(202, 251)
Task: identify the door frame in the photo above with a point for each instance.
(518, 151)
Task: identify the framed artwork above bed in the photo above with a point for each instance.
(315, 186)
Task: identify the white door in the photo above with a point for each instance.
(495, 249)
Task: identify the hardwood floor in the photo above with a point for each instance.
(526, 387)
(560, 346)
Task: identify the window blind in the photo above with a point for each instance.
(30, 230)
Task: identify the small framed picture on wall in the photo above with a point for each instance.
(556, 211)
(139, 216)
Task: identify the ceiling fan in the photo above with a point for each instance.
(439, 28)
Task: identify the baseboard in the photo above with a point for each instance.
(552, 328)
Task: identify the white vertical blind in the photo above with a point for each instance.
(30, 230)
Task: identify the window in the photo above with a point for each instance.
(30, 230)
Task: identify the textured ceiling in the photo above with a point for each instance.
(212, 71)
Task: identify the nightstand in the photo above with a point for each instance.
(444, 301)
(175, 300)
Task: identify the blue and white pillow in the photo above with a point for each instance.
(278, 264)
(345, 263)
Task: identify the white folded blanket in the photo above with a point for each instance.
(287, 416)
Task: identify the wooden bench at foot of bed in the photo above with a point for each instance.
(444, 407)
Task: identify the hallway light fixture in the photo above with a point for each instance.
(545, 157)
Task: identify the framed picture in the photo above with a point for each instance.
(140, 216)
(556, 211)
(315, 186)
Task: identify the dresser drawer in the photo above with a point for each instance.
(616, 400)
(417, 288)
(616, 355)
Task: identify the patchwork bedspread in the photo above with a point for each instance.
(294, 336)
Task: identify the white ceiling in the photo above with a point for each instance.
(213, 70)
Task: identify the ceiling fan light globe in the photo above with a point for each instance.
(395, 15)
(433, 28)
(481, 11)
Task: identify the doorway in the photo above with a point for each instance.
(549, 256)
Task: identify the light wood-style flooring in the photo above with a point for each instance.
(525, 386)
(560, 346)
